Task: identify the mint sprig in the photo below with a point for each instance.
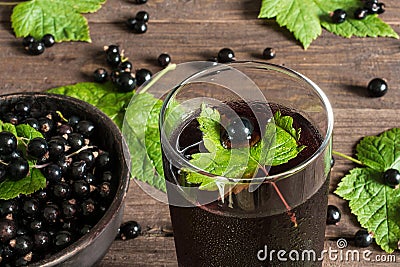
(305, 19)
(61, 18)
(35, 180)
(375, 204)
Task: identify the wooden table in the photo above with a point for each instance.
(195, 30)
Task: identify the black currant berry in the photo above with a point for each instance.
(37, 147)
(53, 173)
(48, 40)
(75, 141)
(8, 143)
(18, 168)
(62, 239)
(100, 75)
(69, 209)
(111, 49)
(362, 238)
(56, 148)
(140, 27)
(140, 2)
(41, 241)
(22, 244)
(45, 125)
(51, 213)
(360, 13)
(381, 8)
(32, 122)
(130, 22)
(333, 215)
(88, 207)
(269, 53)
(84, 127)
(9, 206)
(103, 159)
(377, 87)
(61, 190)
(78, 169)
(225, 55)
(8, 230)
(88, 157)
(11, 118)
(22, 108)
(73, 120)
(142, 76)
(113, 59)
(125, 82)
(36, 48)
(372, 6)
(126, 66)
(142, 16)
(238, 132)
(164, 59)
(104, 189)
(129, 230)
(28, 40)
(391, 177)
(30, 207)
(338, 16)
(80, 189)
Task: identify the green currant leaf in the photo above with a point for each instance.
(375, 204)
(33, 182)
(143, 137)
(305, 19)
(278, 146)
(8, 127)
(61, 18)
(27, 131)
(104, 96)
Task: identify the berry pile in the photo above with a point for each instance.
(370, 7)
(37, 47)
(79, 184)
(121, 75)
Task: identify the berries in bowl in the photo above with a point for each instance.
(63, 181)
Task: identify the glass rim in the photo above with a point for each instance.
(269, 66)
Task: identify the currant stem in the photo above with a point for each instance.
(79, 150)
(4, 163)
(347, 157)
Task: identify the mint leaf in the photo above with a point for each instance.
(305, 19)
(31, 183)
(104, 96)
(143, 138)
(241, 162)
(375, 204)
(61, 18)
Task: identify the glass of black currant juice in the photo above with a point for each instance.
(246, 156)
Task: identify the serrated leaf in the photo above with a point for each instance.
(278, 146)
(28, 185)
(62, 19)
(141, 130)
(375, 204)
(103, 96)
(27, 131)
(86, 6)
(380, 152)
(304, 19)
(8, 127)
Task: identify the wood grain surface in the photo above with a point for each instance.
(195, 30)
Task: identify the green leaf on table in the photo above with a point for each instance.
(61, 18)
(103, 96)
(33, 182)
(143, 137)
(278, 146)
(375, 204)
(305, 19)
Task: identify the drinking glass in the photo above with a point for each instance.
(273, 215)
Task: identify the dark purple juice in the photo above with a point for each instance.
(249, 228)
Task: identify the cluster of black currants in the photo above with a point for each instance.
(79, 186)
(37, 47)
(138, 24)
(122, 75)
(370, 7)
